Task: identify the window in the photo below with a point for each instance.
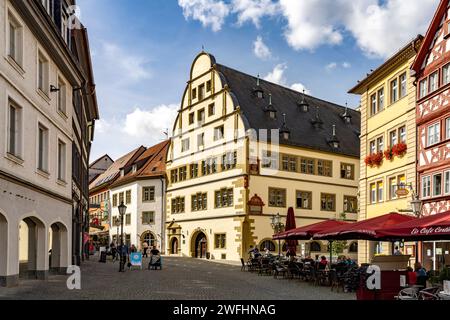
(373, 104)
(48, 5)
(194, 93)
(328, 202)
(65, 31)
(211, 110)
(128, 219)
(447, 128)
(304, 200)
(209, 166)
(185, 145)
(15, 130)
(15, 33)
(437, 185)
(434, 134)
(201, 140)
(191, 118)
(347, 171)
(324, 168)
(353, 248)
(393, 138)
(267, 244)
(402, 134)
(120, 198)
(380, 144)
(277, 197)
(446, 74)
(373, 193)
(218, 133)
(114, 200)
(380, 99)
(403, 85)
(426, 187)
(270, 160)
(423, 88)
(315, 247)
(174, 175)
(447, 182)
(380, 191)
(201, 92)
(372, 147)
(199, 202)
(434, 82)
(350, 204)
(148, 194)
(224, 198)
(394, 90)
(148, 217)
(307, 166)
(208, 86)
(182, 173)
(43, 80)
(42, 148)
(194, 170)
(229, 160)
(393, 188)
(178, 205)
(220, 241)
(201, 116)
(128, 197)
(61, 161)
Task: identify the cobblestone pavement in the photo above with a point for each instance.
(181, 278)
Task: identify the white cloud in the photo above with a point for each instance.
(346, 65)
(260, 49)
(210, 13)
(102, 126)
(300, 88)
(253, 10)
(331, 66)
(277, 74)
(379, 28)
(151, 122)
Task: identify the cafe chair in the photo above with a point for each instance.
(408, 294)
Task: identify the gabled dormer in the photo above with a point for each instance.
(270, 110)
(303, 104)
(317, 121)
(258, 91)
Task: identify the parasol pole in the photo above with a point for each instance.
(331, 252)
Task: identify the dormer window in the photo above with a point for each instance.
(258, 91)
(317, 121)
(334, 141)
(346, 116)
(303, 105)
(270, 109)
(285, 131)
(122, 172)
(134, 168)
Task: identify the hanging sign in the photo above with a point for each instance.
(402, 192)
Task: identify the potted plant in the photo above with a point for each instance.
(374, 159)
(399, 149)
(388, 154)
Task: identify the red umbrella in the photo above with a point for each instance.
(435, 227)
(307, 232)
(363, 230)
(291, 225)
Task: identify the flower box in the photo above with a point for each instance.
(374, 160)
(399, 149)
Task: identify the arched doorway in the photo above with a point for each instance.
(174, 246)
(33, 251)
(58, 248)
(3, 248)
(200, 246)
(150, 238)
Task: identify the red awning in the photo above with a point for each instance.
(307, 232)
(435, 227)
(365, 229)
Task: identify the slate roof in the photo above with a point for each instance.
(150, 164)
(307, 130)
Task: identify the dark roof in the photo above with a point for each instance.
(303, 132)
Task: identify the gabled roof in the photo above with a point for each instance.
(111, 174)
(150, 164)
(100, 158)
(429, 37)
(305, 130)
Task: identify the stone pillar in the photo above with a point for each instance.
(11, 277)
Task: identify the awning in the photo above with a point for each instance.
(434, 227)
(363, 230)
(307, 232)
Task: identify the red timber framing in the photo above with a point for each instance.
(432, 72)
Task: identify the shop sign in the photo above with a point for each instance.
(402, 192)
(430, 231)
(136, 259)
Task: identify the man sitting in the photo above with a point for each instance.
(155, 259)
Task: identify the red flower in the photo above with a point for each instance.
(374, 159)
(388, 154)
(399, 149)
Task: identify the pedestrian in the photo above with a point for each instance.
(145, 248)
(133, 248)
(397, 252)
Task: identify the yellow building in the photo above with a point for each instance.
(227, 179)
(387, 120)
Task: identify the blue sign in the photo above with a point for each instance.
(136, 259)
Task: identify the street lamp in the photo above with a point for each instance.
(117, 224)
(122, 209)
(416, 205)
(277, 227)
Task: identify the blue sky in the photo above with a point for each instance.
(142, 51)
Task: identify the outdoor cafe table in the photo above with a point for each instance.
(443, 296)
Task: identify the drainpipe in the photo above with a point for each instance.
(163, 211)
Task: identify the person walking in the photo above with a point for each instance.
(145, 249)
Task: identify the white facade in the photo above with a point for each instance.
(137, 231)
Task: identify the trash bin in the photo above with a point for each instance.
(208, 255)
(102, 257)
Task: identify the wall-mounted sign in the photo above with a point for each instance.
(402, 192)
